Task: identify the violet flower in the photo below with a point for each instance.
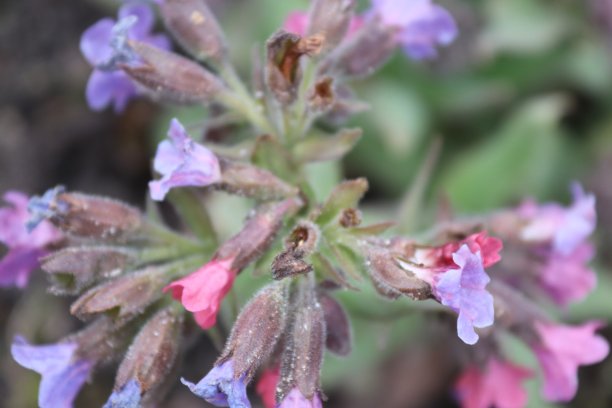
(24, 248)
(463, 290)
(182, 162)
(561, 350)
(126, 397)
(420, 25)
(221, 388)
(63, 373)
(499, 385)
(295, 399)
(104, 45)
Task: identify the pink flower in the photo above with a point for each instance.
(500, 386)
(561, 350)
(297, 23)
(24, 248)
(182, 162)
(203, 291)
(489, 248)
(266, 386)
(567, 278)
(295, 399)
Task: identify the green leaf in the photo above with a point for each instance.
(346, 195)
(325, 148)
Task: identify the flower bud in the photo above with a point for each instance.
(391, 280)
(256, 330)
(153, 352)
(123, 297)
(331, 19)
(339, 338)
(73, 269)
(251, 181)
(86, 216)
(195, 27)
(170, 77)
(303, 356)
(301, 242)
(258, 233)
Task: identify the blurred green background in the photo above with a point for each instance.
(520, 104)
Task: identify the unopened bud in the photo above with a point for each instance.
(153, 352)
(257, 330)
(170, 77)
(87, 216)
(330, 18)
(391, 280)
(75, 268)
(363, 53)
(102, 340)
(195, 27)
(123, 297)
(303, 356)
(258, 233)
(251, 181)
(338, 328)
(283, 72)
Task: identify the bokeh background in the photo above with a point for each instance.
(520, 105)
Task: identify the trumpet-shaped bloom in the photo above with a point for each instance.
(104, 45)
(221, 388)
(182, 162)
(63, 373)
(24, 247)
(464, 290)
(420, 25)
(499, 385)
(203, 291)
(295, 399)
(561, 350)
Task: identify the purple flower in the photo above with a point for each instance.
(420, 25)
(104, 45)
(295, 399)
(463, 290)
(126, 397)
(63, 374)
(221, 388)
(24, 248)
(182, 162)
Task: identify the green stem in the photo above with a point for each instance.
(192, 211)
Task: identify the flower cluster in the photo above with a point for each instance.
(136, 278)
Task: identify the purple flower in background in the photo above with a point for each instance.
(463, 290)
(182, 162)
(561, 350)
(420, 25)
(221, 388)
(63, 374)
(24, 248)
(104, 45)
(295, 399)
(126, 397)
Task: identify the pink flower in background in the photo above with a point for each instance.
(24, 248)
(500, 385)
(182, 162)
(266, 386)
(297, 23)
(202, 291)
(561, 350)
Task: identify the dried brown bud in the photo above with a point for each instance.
(257, 330)
(153, 352)
(339, 338)
(170, 77)
(288, 263)
(251, 181)
(391, 280)
(331, 19)
(283, 72)
(350, 217)
(322, 95)
(258, 233)
(88, 216)
(195, 28)
(302, 241)
(123, 297)
(73, 269)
